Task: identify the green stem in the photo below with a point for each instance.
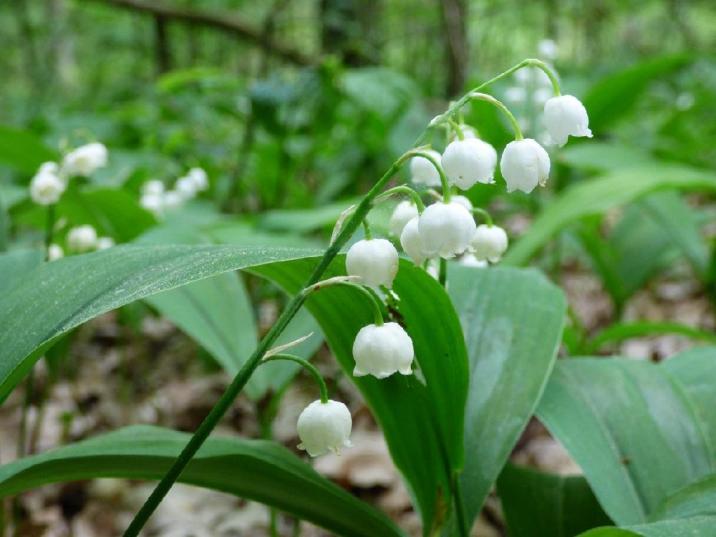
(438, 167)
(442, 276)
(497, 103)
(533, 62)
(403, 189)
(457, 128)
(484, 214)
(233, 390)
(342, 280)
(307, 366)
(459, 506)
(49, 229)
(366, 229)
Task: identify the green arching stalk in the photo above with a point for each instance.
(484, 214)
(403, 189)
(443, 178)
(49, 229)
(348, 280)
(477, 96)
(242, 377)
(533, 62)
(366, 229)
(307, 366)
(457, 128)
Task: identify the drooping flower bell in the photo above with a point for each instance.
(412, 242)
(462, 200)
(55, 252)
(423, 172)
(374, 261)
(84, 160)
(324, 427)
(199, 178)
(46, 186)
(565, 116)
(469, 161)
(489, 243)
(186, 187)
(403, 213)
(383, 350)
(105, 242)
(524, 165)
(445, 229)
(82, 238)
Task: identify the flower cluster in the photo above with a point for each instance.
(158, 200)
(51, 179)
(80, 240)
(443, 230)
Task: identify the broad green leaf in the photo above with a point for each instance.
(603, 156)
(22, 150)
(56, 297)
(254, 469)
(702, 526)
(639, 431)
(420, 415)
(614, 95)
(512, 320)
(596, 196)
(304, 220)
(538, 504)
(697, 499)
(621, 331)
(15, 265)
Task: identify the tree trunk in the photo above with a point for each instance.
(454, 17)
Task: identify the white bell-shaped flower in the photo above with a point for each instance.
(82, 238)
(324, 427)
(565, 116)
(186, 187)
(469, 161)
(423, 172)
(105, 242)
(172, 200)
(154, 203)
(403, 213)
(445, 229)
(462, 200)
(383, 350)
(412, 242)
(55, 252)
(46, 186)
(469, 260)
(524, 165)
(85, 160)
(374, 261)
(489, 243)
(199, 178)
(153, 187)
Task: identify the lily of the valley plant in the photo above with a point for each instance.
(444, 229)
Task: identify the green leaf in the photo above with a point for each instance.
(613, 96)
(15, 265)
(304, 220)
(254, 469)
(422, 420)
(58, 296)
(538, 504)
(513, 322)
(639, 431)
(596, 196)
(621, 331)
(22, 150)
(603, 156)
(702, 526)
(696, 499)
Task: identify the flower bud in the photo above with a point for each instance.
(186, 187)
(55, 252)
(403, 213)
(46, 187)
(324, 427)
(445, 229)
(489, 243)
(383, 350)
(524, 165)
(566, 116)
(423, 172)
(82, 238)
(105, 242)
(85, 160)
(469, 161)
(153, 187)
(152, 202)
(374, 261)
(411, 241)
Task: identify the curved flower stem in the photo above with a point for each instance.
(403, 189)
(533, 62)
(442, 275)
(351, 281)
(308, 366)
(366, 229)
(477, 96)
(457, 128)
(484, 214)
(242, 377)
